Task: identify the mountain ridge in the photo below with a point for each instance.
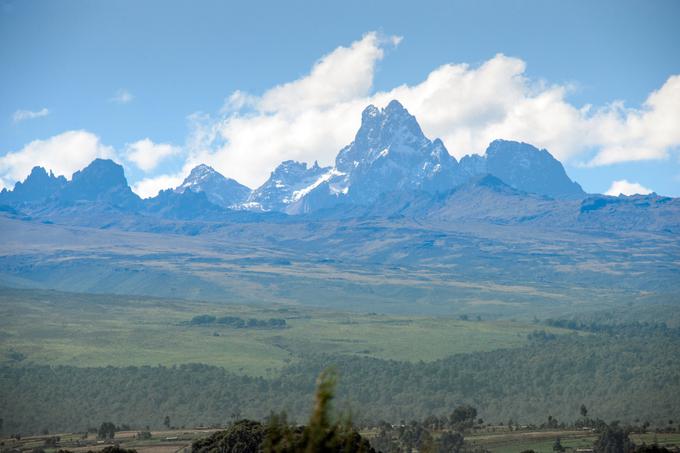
(389, 163)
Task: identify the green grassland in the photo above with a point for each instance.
(49, 327)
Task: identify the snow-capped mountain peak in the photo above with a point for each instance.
(219, 189)
(198, 174)
(389, 153)
(290, 181)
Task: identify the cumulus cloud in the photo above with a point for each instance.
(146, 154)
(639, 134)
(122, 96)
(466, 106)
(21, 115)
(149, 187)
(623, 187)
(307, 119)
(63, 154)
(343, 75)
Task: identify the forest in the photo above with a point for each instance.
(627, 377)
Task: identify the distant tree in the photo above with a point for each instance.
(315, 436)
(557, 446)
(613, 439)
(16, 356)
(584, 411)
(116, 449)
(107, 430)
(551, 423)
(450, 443)
(432, 423)
(244, 436)
(51, 442)
(203, 319)
(277, 436)
(462, 417)
(166, 421)
(321, 434)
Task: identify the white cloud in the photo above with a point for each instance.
(307, 119)
(146, 154)
(313, 117)
(343, 75)
(149, 187)
(467, 107)
(639, 134)
(623, 187)
(122, 96)
(63, 154)
(21, 115)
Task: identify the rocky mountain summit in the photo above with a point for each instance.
(390, 170)
(220, 190)
(287, 184)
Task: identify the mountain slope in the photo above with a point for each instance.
(38, 186)
(389, 153)
(287, 184)
(222, 191)
(390, 170)
(524, 167)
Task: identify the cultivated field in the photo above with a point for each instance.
(179, 441)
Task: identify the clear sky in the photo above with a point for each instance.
(163, 85)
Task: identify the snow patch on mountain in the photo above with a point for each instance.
(222, 191)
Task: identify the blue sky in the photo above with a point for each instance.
(148, 83)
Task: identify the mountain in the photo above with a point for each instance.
(390, 171)
(103, 181)
(185, 205)
(483, 199)
(630, 213)
(219, 189)
(395, 225)
(524, 167)
(287, 184)
(389, 153)
(96, 196)
(38, 186)
(389, 156)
